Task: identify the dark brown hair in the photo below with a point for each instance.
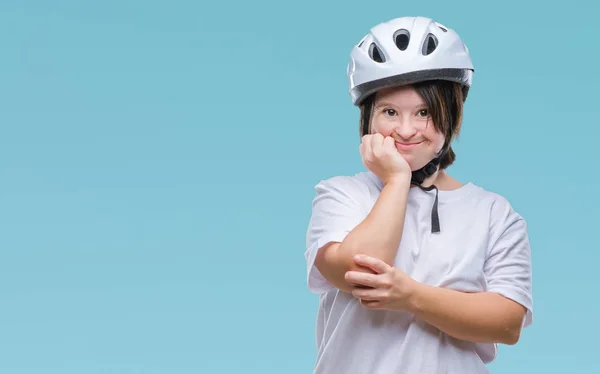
(445, 102)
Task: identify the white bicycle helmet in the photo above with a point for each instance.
(407, 50)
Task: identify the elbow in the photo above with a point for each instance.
(511, 322)
(334, 261)
(514, 336)
(333, 265)
(511, 335)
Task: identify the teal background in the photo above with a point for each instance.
(158, 162)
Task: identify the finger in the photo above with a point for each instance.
(363, 279)
(364, 139)
(372, 263)
(366, 146)
(389, 143)
(376, 142)
(368, 294)
(375, 304)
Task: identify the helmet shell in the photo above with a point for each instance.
(407, 50)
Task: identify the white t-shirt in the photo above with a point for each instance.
(483, 246)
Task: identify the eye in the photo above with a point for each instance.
(423, 113)
(390, 112)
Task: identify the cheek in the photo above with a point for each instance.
(436, 140)
(381, 127)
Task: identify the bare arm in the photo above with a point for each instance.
(487, 317)
(478, 317)
(495, 316)
(378, 235)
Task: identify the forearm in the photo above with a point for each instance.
(478, 317)
(378, 235)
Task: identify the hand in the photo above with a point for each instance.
(389, 288)
(380, 155)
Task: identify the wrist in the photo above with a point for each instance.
(398, 180)
(416, 296)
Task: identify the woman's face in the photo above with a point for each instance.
(401, 113)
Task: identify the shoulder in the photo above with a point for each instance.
(344, 193)
(356, 186)
(503, 217)
(500, 207)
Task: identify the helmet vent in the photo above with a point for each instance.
(442, 27)
(402, 38)
(361, 41)
(375, 53)
(430, 44)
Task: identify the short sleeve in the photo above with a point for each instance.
(337, 208)
(508, 265)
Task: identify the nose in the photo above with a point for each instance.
(406, 129)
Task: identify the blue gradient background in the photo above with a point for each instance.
(158, 162)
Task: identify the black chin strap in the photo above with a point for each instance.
(419, 176)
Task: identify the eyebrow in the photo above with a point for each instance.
(388, 104)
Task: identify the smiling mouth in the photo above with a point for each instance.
(406, 146)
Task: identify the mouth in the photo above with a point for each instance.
(406, 146)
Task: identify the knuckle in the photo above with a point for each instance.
(374, 305)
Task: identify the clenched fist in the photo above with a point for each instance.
(380, 156)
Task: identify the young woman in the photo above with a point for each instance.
(416, 271)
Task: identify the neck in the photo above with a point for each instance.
(437, 179)
(442, 180)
